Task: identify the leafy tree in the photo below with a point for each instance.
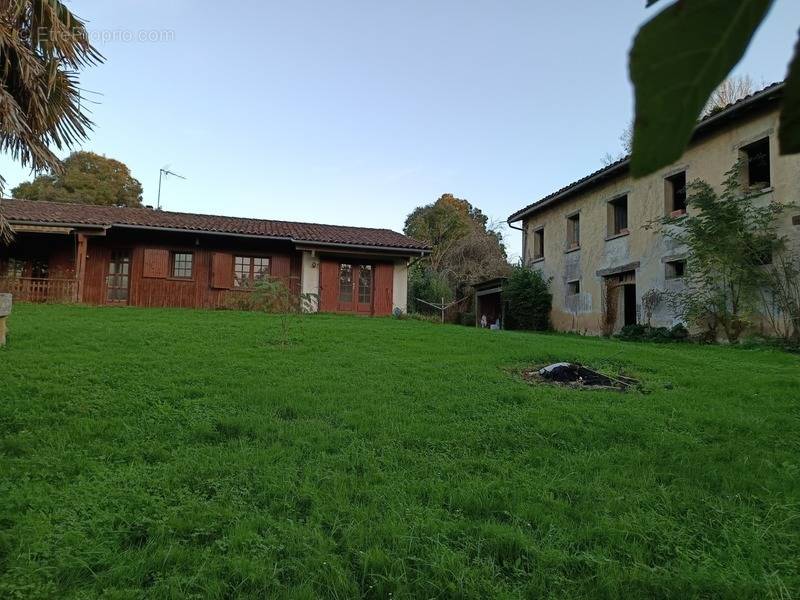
(730, 237)
(43, 47)
(87, 178)
(679, 58)
(528, 299)
(465, 248)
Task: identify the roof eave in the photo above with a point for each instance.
(766, 95)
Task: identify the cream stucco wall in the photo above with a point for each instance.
(309, 277)
(708, 160)
(400, 285)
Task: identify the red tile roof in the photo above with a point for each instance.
(52, 213)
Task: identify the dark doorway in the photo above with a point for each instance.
(629, 303)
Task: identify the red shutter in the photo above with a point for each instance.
(221, 271)
(384, 287)
(280, 268)
(328, 285)
(156, 263)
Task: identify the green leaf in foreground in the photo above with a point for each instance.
(789, 132)
(678, 58)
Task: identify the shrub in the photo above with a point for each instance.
(528, 300)
(467, 319)
(646, 333)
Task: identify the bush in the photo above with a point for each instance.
(528, 300)
(646, 333)
(426, 284)
(467, 319)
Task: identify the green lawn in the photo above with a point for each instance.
(178, 454)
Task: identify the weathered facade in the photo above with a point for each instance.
(591, 236)
(143, 257)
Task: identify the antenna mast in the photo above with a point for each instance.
(164, 173)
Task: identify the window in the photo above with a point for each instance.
(756, 157)
(538, 244)
(365, 284)
(574, 231)
(40, 269)
(15, 268)
(182, 265)
(675, 269)
(573, 287)
(676, 194)
(345, 283)
(618, 216)
(247, 269)
(762, 254)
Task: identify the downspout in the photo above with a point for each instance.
(524, 240)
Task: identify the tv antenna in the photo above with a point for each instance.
(163, 172)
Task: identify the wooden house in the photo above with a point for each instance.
(144, 257)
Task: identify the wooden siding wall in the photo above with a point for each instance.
(151, 283)
(382, 286)
(211, 285)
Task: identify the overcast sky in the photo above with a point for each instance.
(354, 112)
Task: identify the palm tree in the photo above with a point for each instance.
(42, 48)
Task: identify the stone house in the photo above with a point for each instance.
(591, 235)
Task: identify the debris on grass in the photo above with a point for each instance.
(577, 376)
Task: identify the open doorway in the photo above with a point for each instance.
(629, 304)
(619, 302)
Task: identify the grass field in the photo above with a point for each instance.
(179, 454)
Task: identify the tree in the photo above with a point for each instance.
(730, 238)
(679, 58)
(44, 46)
(729, 91)
(87, 178)
(465, 248)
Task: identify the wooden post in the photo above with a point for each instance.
(5, 310)
(80, 265)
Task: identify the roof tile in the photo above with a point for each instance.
(108, 216)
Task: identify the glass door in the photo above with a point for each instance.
(118, 279)
(345, 303)
(364, 289)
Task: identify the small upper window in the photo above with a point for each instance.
(676, 194)
(182, 265)
(675, 269)
(538, 244)
(574, 231)
(757, 164)
(618, 216)
(573, 287)
(247, 269)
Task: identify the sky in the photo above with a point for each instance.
(354, 112)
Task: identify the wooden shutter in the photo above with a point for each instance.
(328, 285)
(221, 271)
(279, 268)
(156, 263)
(384, 288)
